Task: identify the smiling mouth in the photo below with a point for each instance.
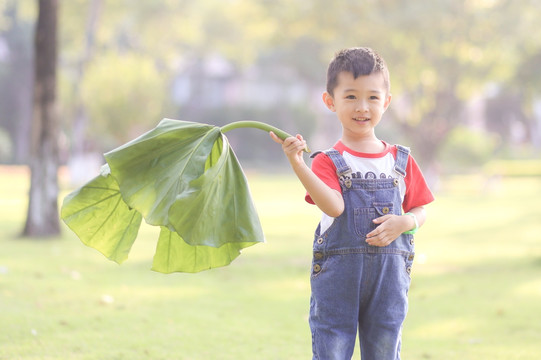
(361, 119)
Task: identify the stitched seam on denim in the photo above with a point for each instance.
(372, 184)
(368, 250)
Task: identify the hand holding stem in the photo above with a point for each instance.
(293, 147)
(328, 200)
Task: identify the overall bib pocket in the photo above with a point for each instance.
(363, 217)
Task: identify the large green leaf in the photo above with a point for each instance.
(174, 254)
(181, 176)
(217, 207)
(152, 169)
(100, 218)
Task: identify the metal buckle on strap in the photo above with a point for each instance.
(346, 180)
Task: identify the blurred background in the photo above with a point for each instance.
(465, 75)
(466, 91)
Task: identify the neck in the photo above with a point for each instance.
(371, 145)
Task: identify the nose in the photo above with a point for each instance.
(362, 106)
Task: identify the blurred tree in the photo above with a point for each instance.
(42, 218)
(513, 106)
(441, 55)
(5, 146)
(165, 35)
(466, 149)
(79, 58)
(124, 95)
(16, 32)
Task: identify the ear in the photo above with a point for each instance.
(328, 101)
(387, 102)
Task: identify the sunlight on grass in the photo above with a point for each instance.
(475, 290)
(529, 289)
(450, 328)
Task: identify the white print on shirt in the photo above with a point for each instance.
(367, 168)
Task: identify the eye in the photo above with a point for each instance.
(351, 97)
(374, 97)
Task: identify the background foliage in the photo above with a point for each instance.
(465, 85)
(124, 66)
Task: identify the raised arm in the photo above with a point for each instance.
(328, 200)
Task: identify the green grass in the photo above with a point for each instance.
(476, 289)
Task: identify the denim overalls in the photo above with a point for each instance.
(356, 286)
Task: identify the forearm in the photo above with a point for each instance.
(328, 200)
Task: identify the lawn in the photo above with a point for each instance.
(476, 289)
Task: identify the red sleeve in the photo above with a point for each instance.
(417, 191)
(325, 169)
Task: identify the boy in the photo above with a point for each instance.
(363, 247)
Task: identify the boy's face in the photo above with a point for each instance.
(359, 103)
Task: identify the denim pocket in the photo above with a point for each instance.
(363, 217)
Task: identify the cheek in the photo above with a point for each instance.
(347, 106)
(379, 108)
(344, 110)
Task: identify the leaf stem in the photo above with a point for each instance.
(258, 125)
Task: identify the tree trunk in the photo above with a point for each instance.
(42, 218)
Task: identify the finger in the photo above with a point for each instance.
(378, 242)
(298, 142)
(293, 143)
(378, 234)
(275, 138)
(378, 230)
(374, 241)
(299, 146)
(381, 240)
(381, 219)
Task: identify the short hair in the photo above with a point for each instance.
(358, 61)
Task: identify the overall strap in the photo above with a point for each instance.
(343, 170)
(401, 162)
(341, 167)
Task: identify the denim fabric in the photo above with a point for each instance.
(358, 288)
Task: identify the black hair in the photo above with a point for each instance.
(358, 61)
